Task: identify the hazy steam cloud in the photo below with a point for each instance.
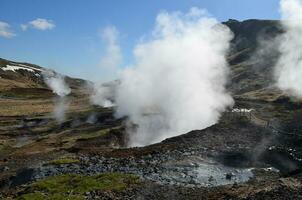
(57, 83)
(288, 71)
(101, 97)
(61, 105)
(104, 94)
(112, 58)
(177, 83)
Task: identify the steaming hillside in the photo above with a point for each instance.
(26, 80)
(28, 89)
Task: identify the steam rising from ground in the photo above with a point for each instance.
(61, 105)
(289, 67)
(177, 83)
(104, 94)
(58, 85)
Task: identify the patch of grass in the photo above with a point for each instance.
(71, 186)
(62, 161)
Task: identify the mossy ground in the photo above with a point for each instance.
(42, 196)
(74, 187)
(62, 161)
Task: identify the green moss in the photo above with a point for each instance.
(32, 196)
(81, 184)
(41, 196)
(74, 187)
(62, 161)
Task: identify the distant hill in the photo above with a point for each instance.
(26, 80)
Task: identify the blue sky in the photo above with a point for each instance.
(74, 46)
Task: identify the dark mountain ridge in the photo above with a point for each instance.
(248, 32)
(254, 53)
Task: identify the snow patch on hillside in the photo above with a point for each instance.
(33, 68)
(15, 68)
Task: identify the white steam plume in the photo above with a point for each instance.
(58, 85)
(288, 71)
(177, 83)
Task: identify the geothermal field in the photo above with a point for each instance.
(204, 109)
